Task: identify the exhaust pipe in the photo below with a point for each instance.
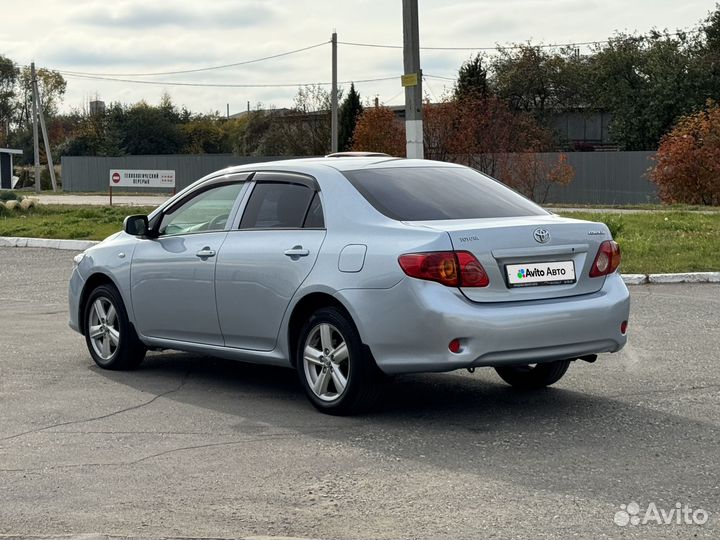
(589, 358)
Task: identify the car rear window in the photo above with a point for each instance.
(434, 193)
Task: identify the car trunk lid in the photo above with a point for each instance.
(528, 258)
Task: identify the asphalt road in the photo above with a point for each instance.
(196, 447)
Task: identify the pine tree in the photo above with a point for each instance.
(472, 79)
(349, 112)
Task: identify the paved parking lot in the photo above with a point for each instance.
(191, 446)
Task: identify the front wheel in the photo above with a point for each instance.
(337, 374)
(533, 376)
(110, 338)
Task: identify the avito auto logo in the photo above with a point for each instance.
(539, 272)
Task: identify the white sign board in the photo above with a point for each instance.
(142, 178)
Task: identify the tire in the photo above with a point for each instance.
(323, 371)
(533, 377)
(110, 338)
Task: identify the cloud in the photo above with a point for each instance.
(199, 16)
(136, 36)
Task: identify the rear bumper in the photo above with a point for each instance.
(408, 328)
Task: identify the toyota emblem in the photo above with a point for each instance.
(541, 235)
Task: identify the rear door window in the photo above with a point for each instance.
(277, 205)
(436, 193)
(314, 218)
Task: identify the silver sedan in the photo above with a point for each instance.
(351, 269)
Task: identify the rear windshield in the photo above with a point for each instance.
(433, 193)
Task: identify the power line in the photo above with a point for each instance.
(229, 85)
(507, 47)
(224, 66)
(394, 97)
(495, 48)
(440, 77)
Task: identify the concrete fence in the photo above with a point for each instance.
(600, 177)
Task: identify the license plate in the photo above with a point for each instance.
(546, 273)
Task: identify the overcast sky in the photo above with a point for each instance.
(141, 36)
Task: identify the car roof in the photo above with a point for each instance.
(347, 163)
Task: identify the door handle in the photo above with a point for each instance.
(297, 251)
(205, 252)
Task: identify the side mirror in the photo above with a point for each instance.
(136, 225)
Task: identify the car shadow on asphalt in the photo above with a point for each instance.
(554, 439)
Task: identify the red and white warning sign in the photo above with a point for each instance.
(142, 178)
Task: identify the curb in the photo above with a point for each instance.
(686, 277)
(71, 245)
(629, 279)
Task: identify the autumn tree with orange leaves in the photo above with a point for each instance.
(378, 130)
(479, 131)
(687, 164)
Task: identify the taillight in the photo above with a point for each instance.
(607, 259)
(451, 268)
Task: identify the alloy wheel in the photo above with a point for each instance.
(326, 362)
(103, 328)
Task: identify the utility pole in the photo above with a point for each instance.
(412, 80)
(334, 98)
(36, 144)
(46, 140)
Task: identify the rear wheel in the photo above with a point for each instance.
(337, 374)
(533, 376)
(110, 338)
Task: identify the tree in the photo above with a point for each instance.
(539, 82)
(145, 129)
(350, 110)
(379, 130)
(204, 134)
(533, 175)
(485, 134)
(308, 130)
(472, 79)
(480, 132)
(687, 164)
(8, 75)
(90, 135)
(647, 83)
(51, 86)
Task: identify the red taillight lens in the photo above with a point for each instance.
(451, 268)
(607, 259)
(472, 273)
(440, 266)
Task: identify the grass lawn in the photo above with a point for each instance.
(663, 241)
(652, 242)
(70, 222)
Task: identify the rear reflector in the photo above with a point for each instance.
(607, 259)
(623, 327)
(451, 268)
(454, 346)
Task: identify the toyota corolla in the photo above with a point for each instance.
(348, 269)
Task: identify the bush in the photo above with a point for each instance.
(687, 168)
(8, 196)
(615, 224)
